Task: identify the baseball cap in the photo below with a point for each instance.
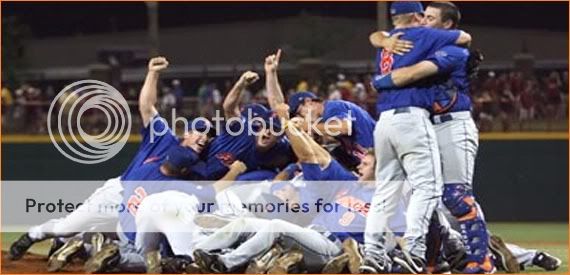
(202, 125)
(297, 99)
(403, 7)
(258, 110)
(180, 157)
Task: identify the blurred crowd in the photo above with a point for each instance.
(502, 100)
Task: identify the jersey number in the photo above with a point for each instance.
(386, 62)
(135, 200)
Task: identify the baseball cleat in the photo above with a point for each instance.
(208, 263)
(97, 241)
(286, 262)
(355, 260)
(56, 244)
(152, 261)
(105, 260)
(64, 254)
(407, 263)
(546, 261)
(505, 260)
(261, 264)
(19, 248)
(178, 264)
(371, 265)
(336, 265)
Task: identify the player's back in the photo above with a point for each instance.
(426, 42)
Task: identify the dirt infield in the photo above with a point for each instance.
(33, 263)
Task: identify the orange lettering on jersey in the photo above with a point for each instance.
(135, 200)
(354, 204)
(386, 62)
(346, 219)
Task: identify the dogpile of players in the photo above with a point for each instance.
(401, 185)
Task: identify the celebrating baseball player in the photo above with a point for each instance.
(406, 146)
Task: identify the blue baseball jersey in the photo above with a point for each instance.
(334, 172)
(157, 137)
(136, 190)
(348, 219)
(451, 62)
(426, 42)
(362, 134)
(230, 146)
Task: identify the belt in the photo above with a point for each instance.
(401, 110)
(461, 115)
(441, 119)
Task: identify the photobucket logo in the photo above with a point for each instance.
(249, 123)
(76, 102)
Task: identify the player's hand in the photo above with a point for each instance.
(398, 46)
(272, 62)
(238, 167)
(248, 78)
(298, 122)
(282, 111)
(157, 64)
(392, 43)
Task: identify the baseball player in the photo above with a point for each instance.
(351, 125)
(165, 206)
(263, 149)
(106, 199)
(456, 132)
(343, 187)
(406, 146)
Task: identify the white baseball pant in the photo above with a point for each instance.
(98, 213)
(406, 149)
(259, 235)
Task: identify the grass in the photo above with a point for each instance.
(549, 237)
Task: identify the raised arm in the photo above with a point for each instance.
(274, 92)
(232, 100)
(148, 95)
(305, 148)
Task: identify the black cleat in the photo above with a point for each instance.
(371, 265)
(409, 264)
(546, 261)
(19, 248)
(105, 260)
(208, 263)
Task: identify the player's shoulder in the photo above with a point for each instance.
(453, 51)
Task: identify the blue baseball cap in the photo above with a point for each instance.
(202, 125)
(297, 99)
(180, 157)
(403, 7)
(258, 110)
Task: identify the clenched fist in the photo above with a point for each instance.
(248, 78)
(157, 64)
(238, 167)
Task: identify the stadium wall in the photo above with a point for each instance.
(337, 38)
(515, 180)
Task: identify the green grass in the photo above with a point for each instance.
(549, 237)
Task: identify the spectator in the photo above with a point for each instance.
(178, 93)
